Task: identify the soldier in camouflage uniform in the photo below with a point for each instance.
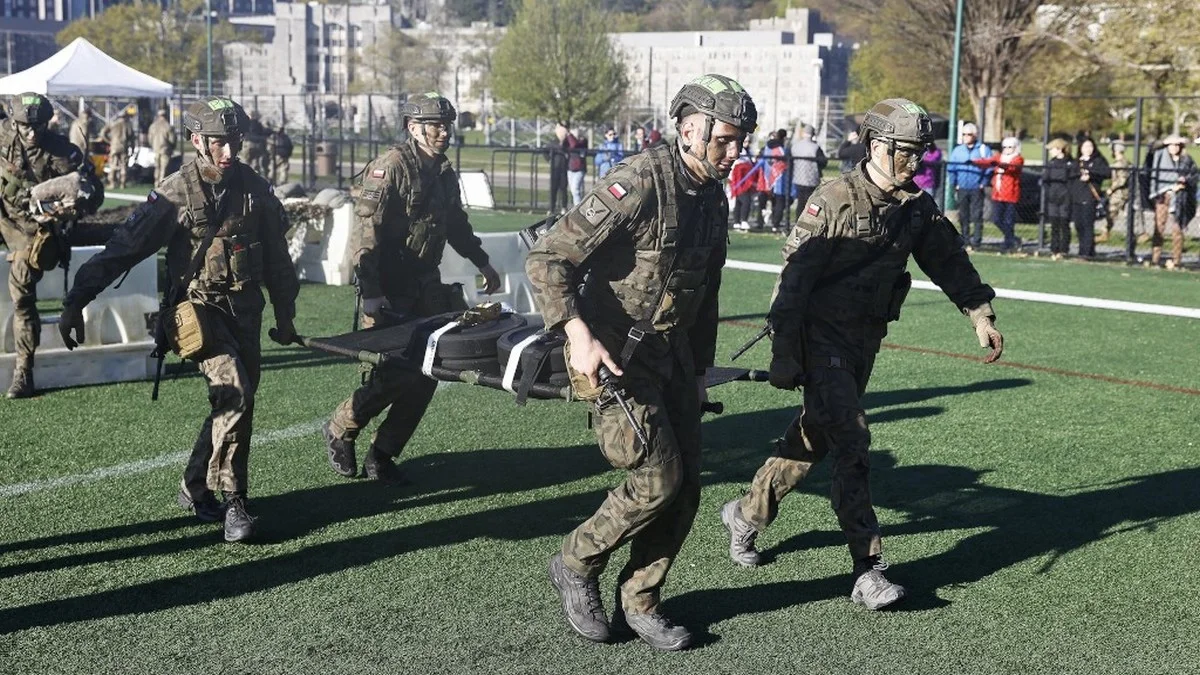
(84, 130)
(121, 140)
(843, 281)
(29, 154)
(211, 197)
(1118, 191)
(162, 142)
(407, 208)
(254, 151)
(651, 240)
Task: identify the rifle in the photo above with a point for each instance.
(766, 330)
(614, 392)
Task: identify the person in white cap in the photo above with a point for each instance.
(1172, 183)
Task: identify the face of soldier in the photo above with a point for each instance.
(903, 162)
(30, 134)
(722, 150)
(222, 151)
(432, 137)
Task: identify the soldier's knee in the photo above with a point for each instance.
(656, 487)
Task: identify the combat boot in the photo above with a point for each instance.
(871, 589)
(741, 535)
(22, 380)
(341, 453)
(580, 598)
(381, 466)
(657, 630)
(239, 525)
(206, 508)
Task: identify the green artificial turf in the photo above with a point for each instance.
(1044, 520)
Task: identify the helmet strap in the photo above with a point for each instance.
(889, 173)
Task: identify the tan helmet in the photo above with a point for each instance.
(897, 120)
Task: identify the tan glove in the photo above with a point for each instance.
(983, 321)
(71, 319)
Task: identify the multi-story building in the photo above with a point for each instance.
(788, 64)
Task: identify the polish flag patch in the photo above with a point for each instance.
(617, 190)
(378, 173)
(152, 197)
(813, 210)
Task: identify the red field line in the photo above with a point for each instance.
(1022, 366)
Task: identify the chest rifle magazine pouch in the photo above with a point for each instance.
(43, 251)
(188, 330)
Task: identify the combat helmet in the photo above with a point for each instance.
(30, 108)
(719, 98)
(215, 116)
(428, 107)
(897, 120)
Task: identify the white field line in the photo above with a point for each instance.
(144, 465)
(1031, 296)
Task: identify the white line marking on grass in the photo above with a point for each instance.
(1031, 296)
(144, 465)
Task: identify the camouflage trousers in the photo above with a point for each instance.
(22, 288)
(831, 422)
(161, 161)
(254, 156)
(407, 392)
(654, 508)
(220, 457)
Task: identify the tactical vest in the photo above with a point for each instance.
(423, 233)
(669, 280)
(17, 172)
(865, 278)
(235, 257)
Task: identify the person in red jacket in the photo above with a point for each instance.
(1006, 188)
(742, 188)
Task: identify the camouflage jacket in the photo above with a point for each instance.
(20, 169)
(82, 134)
(249, 247)
(161, 136)
(405, 214)
(120, 136)
(847, 254)
(651, 245)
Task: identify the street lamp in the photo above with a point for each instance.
(953, 131)
(208, 29)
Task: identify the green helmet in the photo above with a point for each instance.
(428, 107)
(30, 108)
(718, 97)
(215, 116)
(897, 120)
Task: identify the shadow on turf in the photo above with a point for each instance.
(1020, 526)
(435, 479)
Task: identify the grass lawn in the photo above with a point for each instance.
(1043, 512)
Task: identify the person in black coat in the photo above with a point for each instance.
(1057, 176)
(1085, 194)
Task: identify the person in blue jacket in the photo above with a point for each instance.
(609, 153)
(968, 181)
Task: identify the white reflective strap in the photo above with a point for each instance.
(514, 360)
(431, 347)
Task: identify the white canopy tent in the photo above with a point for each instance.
(81, 69)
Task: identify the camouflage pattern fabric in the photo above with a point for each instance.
(121, 139)
(162, 142)
(248, 252)
(406, 211)
(20, 169)
(634, 238)
(835, 329)
(654, 507)
(232, 369)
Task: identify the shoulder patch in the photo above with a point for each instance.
(617, 190)
(378, 173)
(594, 210)
(152, 197)
(813, 209)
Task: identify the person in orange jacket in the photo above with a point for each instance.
(1006, 188)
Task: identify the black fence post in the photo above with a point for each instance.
(1134, 199)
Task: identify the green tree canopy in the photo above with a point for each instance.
(556, 61)
(170, 45)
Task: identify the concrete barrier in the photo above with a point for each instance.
(118, 341)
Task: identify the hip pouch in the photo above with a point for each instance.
(189, 330)
(43, 251)
(899, 293)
